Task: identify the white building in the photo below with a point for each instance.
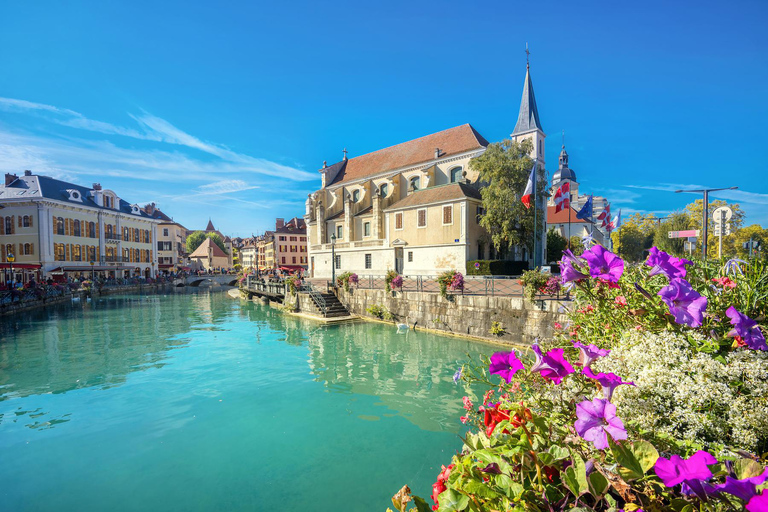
(59, 229)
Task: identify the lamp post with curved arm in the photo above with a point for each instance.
(333, 260)
(11, 258)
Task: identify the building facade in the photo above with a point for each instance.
(290, 244)
(414, 207)
(59, 229)
(171, 241)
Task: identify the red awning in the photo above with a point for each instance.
(291, 267)
(28, 266)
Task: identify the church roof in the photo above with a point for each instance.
(437, 194)
(210, 227)
(561, 217)
(528, 119)
(450, 142)
(202, 250)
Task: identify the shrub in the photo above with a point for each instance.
(294, 283)
(380, 312)
(551, 287)
(393, 280)
(497, 329)
(345, 279)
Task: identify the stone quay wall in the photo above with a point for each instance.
(465, 315)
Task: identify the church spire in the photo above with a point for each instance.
(528, 119)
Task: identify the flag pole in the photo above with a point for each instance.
(569, 218)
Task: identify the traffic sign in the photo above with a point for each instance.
(719, 229)
(717, 215)
(684, 234)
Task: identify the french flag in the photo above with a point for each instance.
(528, 192)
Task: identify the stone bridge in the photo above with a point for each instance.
(207, 280)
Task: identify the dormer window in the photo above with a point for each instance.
(383, 190)
(414, 183)
(135, 209)
(74, 195)
(356, 196)
(455, 174)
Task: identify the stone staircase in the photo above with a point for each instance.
(333, 306)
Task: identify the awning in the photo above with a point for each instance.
(27, 266)
(292, 267)
(60, 270)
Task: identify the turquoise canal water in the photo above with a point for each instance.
(197, 402)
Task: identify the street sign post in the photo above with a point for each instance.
(684, 234)
(721, 216)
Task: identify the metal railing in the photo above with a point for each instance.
(316, 296)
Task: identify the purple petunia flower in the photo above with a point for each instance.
(505, 364)
(747, 329)
(596, 420)
(589, 353)
(676, 470)
(457, 375)
(663, 263)
(603, 264)
(552, 365)
(609, 381)
(759, 503)
(686, 304)
(743, 489)
(568, 272)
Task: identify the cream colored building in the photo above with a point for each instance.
(209, 256)
(413, 207)
(171, 241)
(61, 229)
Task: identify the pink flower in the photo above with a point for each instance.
(463, 419)
(620, 301)
(558, 326)
(468, 403)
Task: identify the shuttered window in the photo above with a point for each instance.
(421, 221)
(399, 221)
(448, 214)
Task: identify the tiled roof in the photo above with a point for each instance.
(528, 118)
(437, 194)
(36, 186)
(202, 250)
(561, 217)
(450, 142)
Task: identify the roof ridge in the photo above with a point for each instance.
(410, 141)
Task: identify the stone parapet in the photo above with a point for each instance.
(468, 315)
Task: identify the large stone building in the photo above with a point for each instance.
(414, 207)
(59, 229)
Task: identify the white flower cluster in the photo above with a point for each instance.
(691, 395)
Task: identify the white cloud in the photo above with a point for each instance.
(224, 187)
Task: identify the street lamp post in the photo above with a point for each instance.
(333, 260)
(705, 220)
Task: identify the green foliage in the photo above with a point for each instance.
(577, 247)
(496, 267)
(380, 312)
(505, 167)
(533, 281)
(389, 278)
(344, 280)
(678, 221)
(630, 242)
(198, 237)
(497, 329)
(293, 282)
(450, 279)
(556, 244)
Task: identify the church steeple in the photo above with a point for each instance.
(528, 119)
(528, 126)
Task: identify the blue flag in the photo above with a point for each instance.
(586, 210)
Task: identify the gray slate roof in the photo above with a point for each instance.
(528, 119)
(36, 186)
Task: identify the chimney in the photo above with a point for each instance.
(279, 223)
(10, 178)
(437, 153)
(325, 164)
(97, 186)
(27, 173)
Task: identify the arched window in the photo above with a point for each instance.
(383, 190)
(92, 230)
(355, 196)
(27, 248)
(59, 225)
(109, 230)
(76, 228)
(415, 181)
(8, 225)
(455, 174)
(27, 222)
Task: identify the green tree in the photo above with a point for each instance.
(198, 237)
(556, 244)
(629, 242)
(742, 236)
(577, 247)
(695, 212)
(505, 167)
(677, 221)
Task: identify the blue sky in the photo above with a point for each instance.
(227, 111)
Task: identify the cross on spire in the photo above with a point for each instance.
(345, 153)
(527, 54)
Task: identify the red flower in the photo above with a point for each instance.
(620, 300)
(439, 486)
